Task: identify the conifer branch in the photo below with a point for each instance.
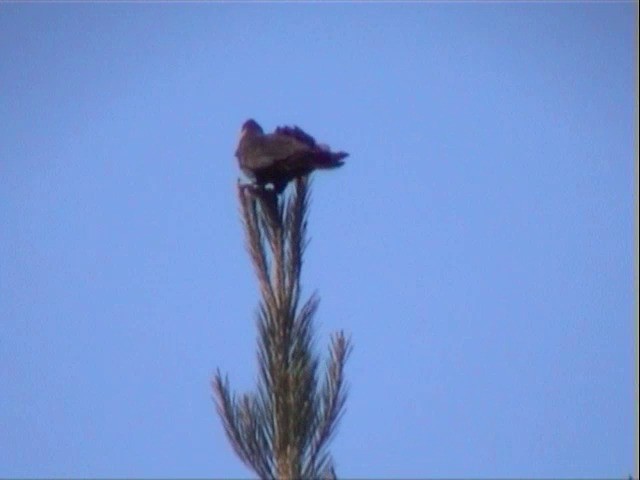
(283, 430)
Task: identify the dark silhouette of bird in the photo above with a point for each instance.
(279, 157)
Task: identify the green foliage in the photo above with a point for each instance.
(283, 430)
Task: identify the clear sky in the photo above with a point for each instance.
(478, 244)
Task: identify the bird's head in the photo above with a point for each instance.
(250, 127)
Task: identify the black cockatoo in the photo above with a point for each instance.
(279, 157)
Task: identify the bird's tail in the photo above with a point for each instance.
(328, 159)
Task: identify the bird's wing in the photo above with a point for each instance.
(267, 150)
(298, 134)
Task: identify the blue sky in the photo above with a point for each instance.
(478, 245)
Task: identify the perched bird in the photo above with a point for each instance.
(279, 157)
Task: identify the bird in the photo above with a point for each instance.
(279, 157)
